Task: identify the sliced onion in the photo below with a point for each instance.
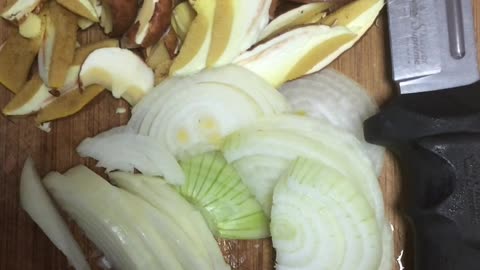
(331, 96)
(270, 101)
(287, 137)
(321, 221)
(159, 194)
(36, 202)
(89, 203)
(192, 115)
(251, 84)
(121, 149)
(128, 230)
(201, 116)
(260, 173)
(216, 189)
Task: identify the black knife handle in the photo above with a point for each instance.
(436, 137)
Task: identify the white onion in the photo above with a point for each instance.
(192, 115)
(89, 202)
(36, 202)
(159, 194)
(321, 221)
(131, 232)
(215, 188)
(121, 149)
(260, 173)
(331, 96)
(287, 137)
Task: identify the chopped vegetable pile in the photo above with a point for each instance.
(230, 137)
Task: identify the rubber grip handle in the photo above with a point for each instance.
(436, 137)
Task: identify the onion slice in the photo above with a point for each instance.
(128, 230)
(164, 198)
(287, 137)
(331, 96)
(36, 202)
(261, 173)
(192, 115)
(121, 149)
(321, 221)
(97, 208)
(216, 189)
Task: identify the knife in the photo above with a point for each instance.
(433, 128)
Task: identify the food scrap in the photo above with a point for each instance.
(228, 137)
(177, 39)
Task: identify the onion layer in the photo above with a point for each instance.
(36, 202)
(215, 188)
(128, 230)
(165, 199)
(331, 96)
(287, 137)
(121, 149)
(192, 115)
(320, 221)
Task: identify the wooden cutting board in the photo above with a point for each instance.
(24, 247)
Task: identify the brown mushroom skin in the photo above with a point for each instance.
(123, 14)
(159, 24)
(273, 8)
(171, 43)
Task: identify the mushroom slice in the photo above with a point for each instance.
(118, 70)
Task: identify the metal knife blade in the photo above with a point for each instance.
(432, 44)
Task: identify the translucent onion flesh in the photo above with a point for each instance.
(164, 198)
(192, 115)
(128, 230)
(37, 203)
(331, 96)
(321, 221)
(287, 137)
(126, 151)
(216, 189)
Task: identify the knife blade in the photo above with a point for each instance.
(432, 44)
(433, 128)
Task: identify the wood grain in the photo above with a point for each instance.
(22, 244)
